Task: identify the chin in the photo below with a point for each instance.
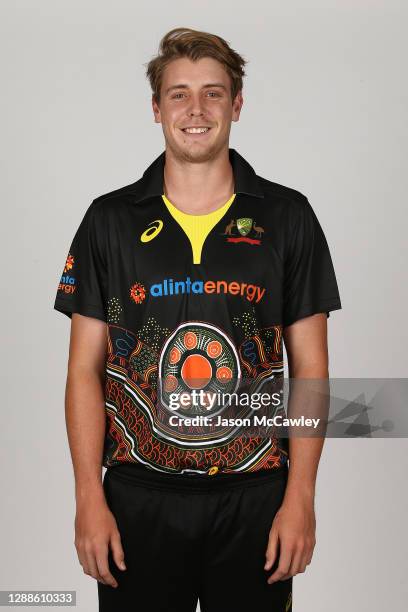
(198, 154)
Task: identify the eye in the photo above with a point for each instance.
(216, 94)
(178, 94)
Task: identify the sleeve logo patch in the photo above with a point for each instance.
(69, 264)
(67, 282)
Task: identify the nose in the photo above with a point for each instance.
(195, 107)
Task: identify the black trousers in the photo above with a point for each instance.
(194, 537)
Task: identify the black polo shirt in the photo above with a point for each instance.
(174, 326)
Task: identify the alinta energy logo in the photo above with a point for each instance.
(138, 293)
(171, 287)
(244, 225)
(67, 282)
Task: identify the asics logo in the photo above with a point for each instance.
(152, 231)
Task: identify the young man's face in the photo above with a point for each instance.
(196, 95)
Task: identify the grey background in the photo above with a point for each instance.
(325, 113)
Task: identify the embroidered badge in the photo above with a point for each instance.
(244, 225)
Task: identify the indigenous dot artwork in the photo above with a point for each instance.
(247, 321)
(153, 333)
(114, 310)
(144, 368)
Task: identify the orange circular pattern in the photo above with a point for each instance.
(190, 340)
(170, 383)
(224, 374)
(175, 355)
(196, 371)
(214, 349)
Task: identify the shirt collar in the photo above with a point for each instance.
(245, 179)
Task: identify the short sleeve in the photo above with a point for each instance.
(83, 284)
(310, 284)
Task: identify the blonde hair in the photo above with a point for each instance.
(194, 44)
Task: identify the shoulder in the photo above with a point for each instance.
(275, 192)
(117, 198)
(291, 205)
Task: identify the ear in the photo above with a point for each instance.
(236, 106)
(156, 110)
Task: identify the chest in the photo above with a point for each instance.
(153, 263)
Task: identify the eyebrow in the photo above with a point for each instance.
(184, 86)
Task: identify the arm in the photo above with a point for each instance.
(294, 524)
(306, 346)
(95, 526)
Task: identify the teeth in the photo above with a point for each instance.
(196, 130)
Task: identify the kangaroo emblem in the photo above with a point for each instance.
(244, 225)
(228, 228)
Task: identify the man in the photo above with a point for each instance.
(185, 282)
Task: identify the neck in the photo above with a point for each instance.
(200, 187)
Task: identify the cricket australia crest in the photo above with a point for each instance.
(244, 225)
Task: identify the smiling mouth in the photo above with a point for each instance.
(196, 130)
